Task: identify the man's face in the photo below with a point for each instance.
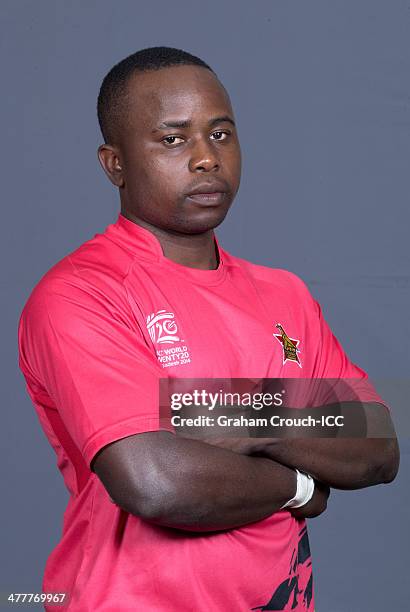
(179, 138)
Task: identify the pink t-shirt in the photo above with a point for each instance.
(97, 333)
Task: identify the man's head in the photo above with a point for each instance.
(169, 131)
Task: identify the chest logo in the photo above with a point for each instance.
(162, 327)
(289, 346)
(163, 331)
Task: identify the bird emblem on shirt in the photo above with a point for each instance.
(289, 346)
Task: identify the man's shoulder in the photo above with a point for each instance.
(94, 270)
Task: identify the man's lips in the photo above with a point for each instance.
(212, 186)
(208, 199)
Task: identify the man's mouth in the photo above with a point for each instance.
(208, 199)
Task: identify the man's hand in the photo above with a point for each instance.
(254, 446)
(316, 505)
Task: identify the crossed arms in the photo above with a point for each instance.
(224, 483)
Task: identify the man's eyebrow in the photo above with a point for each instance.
(223, 119)
(186, 123)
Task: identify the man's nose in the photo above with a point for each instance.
(203, 158)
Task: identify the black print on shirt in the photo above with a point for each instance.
(287, 592)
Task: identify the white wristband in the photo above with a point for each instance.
(305, 486)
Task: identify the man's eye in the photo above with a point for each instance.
(220, 135)
(171, 140)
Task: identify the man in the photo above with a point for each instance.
(194, 525)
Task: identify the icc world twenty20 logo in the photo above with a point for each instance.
(162, 327)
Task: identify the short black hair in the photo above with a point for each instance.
(111, 99)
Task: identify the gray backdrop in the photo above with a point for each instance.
(322, 98)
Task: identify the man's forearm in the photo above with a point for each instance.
(191, 485)
(216, 489)
(339, 463)
(342, 463)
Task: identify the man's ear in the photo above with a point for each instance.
(111, 164)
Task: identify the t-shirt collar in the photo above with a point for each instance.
(145, 246)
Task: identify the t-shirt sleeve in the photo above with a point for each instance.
(333, 363)
(85, 350)
(324, 359)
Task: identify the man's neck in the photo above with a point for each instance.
(191, 250)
